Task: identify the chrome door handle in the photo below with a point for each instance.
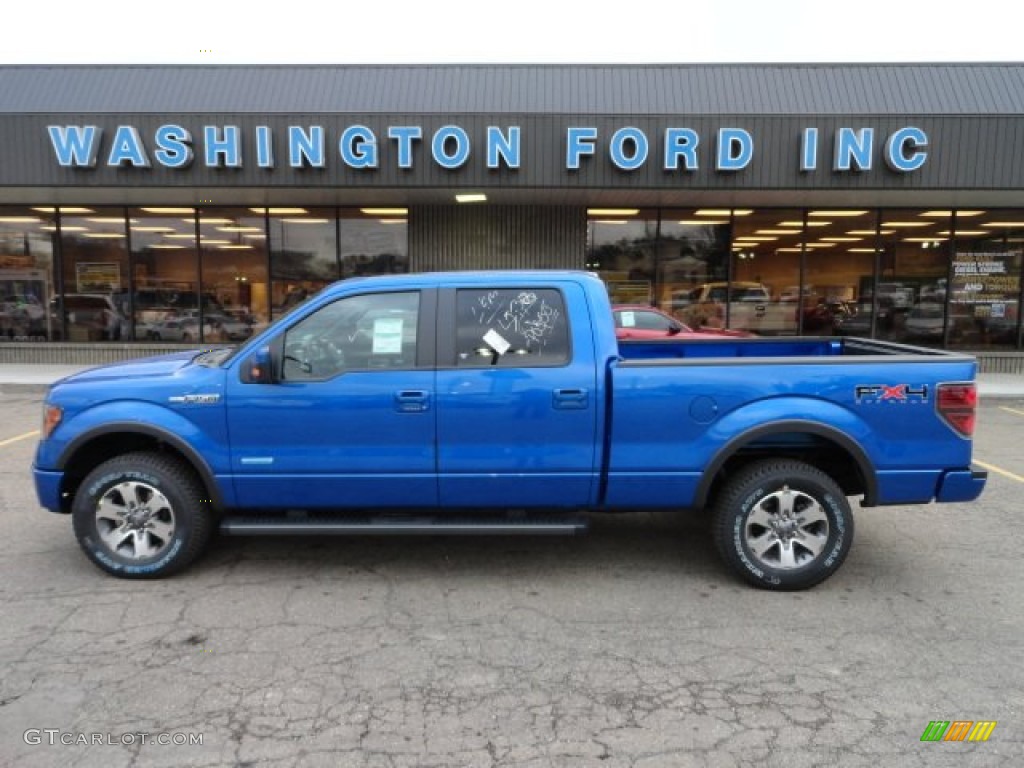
(412, 401)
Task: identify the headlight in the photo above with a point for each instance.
(52, 415)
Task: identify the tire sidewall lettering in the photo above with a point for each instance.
(102, 554)
(741, 548)
(114, 478)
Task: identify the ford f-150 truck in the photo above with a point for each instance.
(501, 402)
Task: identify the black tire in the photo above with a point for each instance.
(142, 516)
(777, 548)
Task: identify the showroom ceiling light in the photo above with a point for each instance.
(612, 211)
(385, 211)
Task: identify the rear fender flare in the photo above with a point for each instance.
(844, 441)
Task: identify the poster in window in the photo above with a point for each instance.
(98, 276)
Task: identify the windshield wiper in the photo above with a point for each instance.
(213, 358)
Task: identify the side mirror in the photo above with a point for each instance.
(675, 330)
(259, 368)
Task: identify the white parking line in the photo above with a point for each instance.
(26, 436)
(998, 471)
(1011, 410)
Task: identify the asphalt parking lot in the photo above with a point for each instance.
(631, 646)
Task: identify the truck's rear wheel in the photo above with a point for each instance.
(782, 524)
(141, 516)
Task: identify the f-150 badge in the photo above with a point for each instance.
(195, 399)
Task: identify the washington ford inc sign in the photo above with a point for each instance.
(359, 147)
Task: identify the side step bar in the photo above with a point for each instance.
(404, 525)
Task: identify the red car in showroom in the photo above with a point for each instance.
(639, 321)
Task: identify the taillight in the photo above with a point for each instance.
(957, 404)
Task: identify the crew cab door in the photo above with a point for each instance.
(349, 418)
(517, 397)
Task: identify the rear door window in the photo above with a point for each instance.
(511, 327)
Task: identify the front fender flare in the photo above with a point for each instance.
(193, 456)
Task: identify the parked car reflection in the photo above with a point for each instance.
(90, 317)
(638, 321)
(925, 322)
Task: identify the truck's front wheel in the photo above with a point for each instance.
(141, 516)
(782, 524)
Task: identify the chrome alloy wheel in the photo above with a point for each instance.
(786, 529)
(135, 520)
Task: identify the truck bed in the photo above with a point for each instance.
(777, 347)
(676, 403)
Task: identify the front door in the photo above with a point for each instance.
(351, 420)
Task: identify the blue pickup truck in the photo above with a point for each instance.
(501, 402)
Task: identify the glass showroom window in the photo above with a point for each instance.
(913, 264)
(622, 249)
(692, 251)
(27, 237)
(765, 295)
(303, 255)
(235, 287)
(839, 262)
(95, 270)
(374, 241)
(165, 271)
(984, 295)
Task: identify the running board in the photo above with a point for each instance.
(383, 525)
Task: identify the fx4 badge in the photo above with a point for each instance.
(902, 394)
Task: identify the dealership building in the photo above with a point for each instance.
(147, 205)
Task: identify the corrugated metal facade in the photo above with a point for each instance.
(503, 237)
(695, 89)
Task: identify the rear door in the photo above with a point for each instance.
(516, 391)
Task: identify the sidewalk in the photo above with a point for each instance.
(40, 375)
(1001, 385)
(37, 377)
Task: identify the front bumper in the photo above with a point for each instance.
(961, 485)
(48, 488)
